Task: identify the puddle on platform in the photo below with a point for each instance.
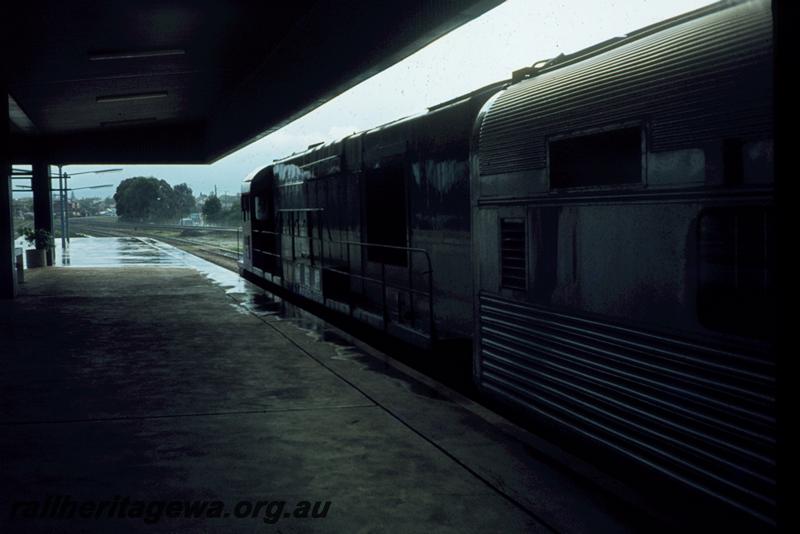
(114, 252)
(246, 297)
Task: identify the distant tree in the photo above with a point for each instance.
(184, 200)
(212, 210)
(142, 199)
(232, 215)
(133, 198)
(165, 208)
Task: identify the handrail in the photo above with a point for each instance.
(325, 265)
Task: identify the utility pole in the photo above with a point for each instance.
(66, 211)
(62, 184)
(62, 196)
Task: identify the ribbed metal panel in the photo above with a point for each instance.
(699, 413)
(512, 253)
(700, 80)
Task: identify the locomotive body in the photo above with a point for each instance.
(375, 225)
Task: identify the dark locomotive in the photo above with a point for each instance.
(375, 225)
(601, 226)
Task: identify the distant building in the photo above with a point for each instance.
(192, 220)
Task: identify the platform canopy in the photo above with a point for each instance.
(189, 81)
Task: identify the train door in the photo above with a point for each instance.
(302, 228)
(264, 223)
(246, 258)
(396, 289)
(306, 232)
(386, 208)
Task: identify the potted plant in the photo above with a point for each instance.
(42, 240)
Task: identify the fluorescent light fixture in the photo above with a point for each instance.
(129, 54)
(18, 118)
(130, 97)
(127, 122)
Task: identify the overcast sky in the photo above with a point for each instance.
(515, 34)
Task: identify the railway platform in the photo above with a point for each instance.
(147, 390)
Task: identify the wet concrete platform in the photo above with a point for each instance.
(150, 380)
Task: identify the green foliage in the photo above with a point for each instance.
(141, 199)
(212, 210)
(184, 200)
(41, 238)
(232, 216)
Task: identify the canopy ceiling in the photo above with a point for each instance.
(189, 81)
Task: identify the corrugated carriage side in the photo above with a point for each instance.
(623, 243)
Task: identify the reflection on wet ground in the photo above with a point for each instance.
(115, 252)
(110, 252)
(451, 367)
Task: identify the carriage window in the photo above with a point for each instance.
(260, 208)
(512, 254)
(606, 158)
(386, 215)
(735, 279)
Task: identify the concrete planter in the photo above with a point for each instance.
(20, 265)
(51, 256)
(36, 257)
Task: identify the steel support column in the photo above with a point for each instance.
(42, 197)
(8, 273)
